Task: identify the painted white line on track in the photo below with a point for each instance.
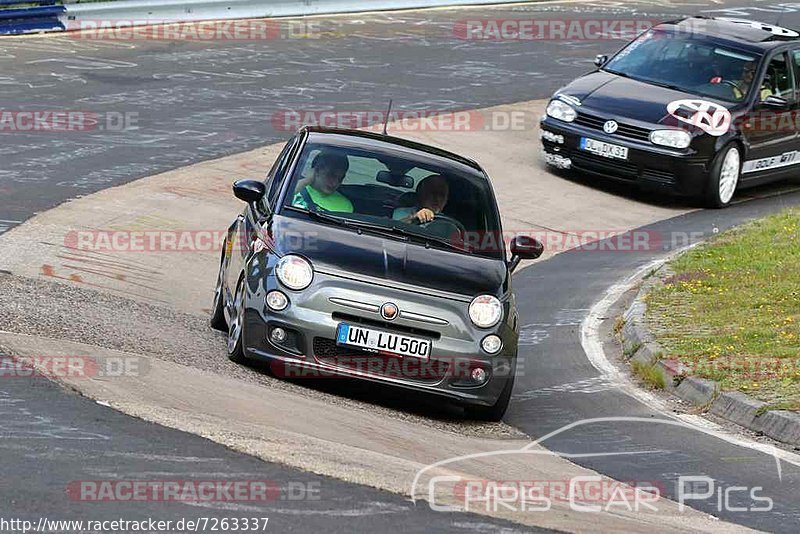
(592, 343)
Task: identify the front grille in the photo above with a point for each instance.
(624, 130)
(622, 169)
(326, 351)
(662, 177)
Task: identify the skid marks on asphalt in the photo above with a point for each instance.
(17, 422)
(535, 333)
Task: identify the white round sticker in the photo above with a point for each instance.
(708, 116)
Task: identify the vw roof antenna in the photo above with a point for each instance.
(386, 121)
(780, 17)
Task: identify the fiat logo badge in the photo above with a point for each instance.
(390, 311)
(610, 127)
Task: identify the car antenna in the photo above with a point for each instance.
(388, 113)
(780, 17)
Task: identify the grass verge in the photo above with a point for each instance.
(649, 374)
(731, 311)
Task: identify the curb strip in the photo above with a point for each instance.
(639, 346)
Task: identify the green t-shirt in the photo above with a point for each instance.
(334, 202)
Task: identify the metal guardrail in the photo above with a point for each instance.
(46, 16)
(155, 11)
(18, 16)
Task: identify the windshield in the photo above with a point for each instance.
(687, 63)
(398, 193)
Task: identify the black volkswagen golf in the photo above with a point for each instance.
(369, 256)
(696, 107)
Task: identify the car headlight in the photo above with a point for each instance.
(671, 138)
(561, 111)
(294, 272)
(485, 311)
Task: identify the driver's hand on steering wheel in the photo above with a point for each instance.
(425, 215)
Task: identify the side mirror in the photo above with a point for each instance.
(250, 191)
(524, 248)
(600, 60)
(775, 102)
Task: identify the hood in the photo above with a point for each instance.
(609, 94)
(331, 249)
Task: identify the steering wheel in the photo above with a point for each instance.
(443, 226)
(731, 83)
(716, 88)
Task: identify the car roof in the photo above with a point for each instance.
(750, 35)
(366, 139)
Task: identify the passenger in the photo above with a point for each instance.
(321, 191)
(432, 195)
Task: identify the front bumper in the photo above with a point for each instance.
(651, 167)
(314, 314)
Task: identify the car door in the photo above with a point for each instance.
(772, 135)
(248, 223)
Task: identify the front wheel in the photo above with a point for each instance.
(492, 413)
(725, 174)
(236, 326)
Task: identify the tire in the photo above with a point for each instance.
(724, 179)
(236, 327)
(218, 321)
(492, 413)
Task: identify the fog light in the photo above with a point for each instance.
(277, 301)
(492, 344)
(478, 375)
(278, 335)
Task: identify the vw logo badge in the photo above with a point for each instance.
(390, 311)
(610, 127)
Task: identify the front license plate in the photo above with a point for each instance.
(601, 148)
(380, 341)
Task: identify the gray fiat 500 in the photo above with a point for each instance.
(368, 256)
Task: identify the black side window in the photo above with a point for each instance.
(795, 56)
(778, 80)
(276, 173)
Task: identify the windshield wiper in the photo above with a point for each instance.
(324, 217)
(645, 80)
(359, 226)
(610, 71)
(394, 232)
(428, 240)
(666, 85)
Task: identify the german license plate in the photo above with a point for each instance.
(601, 148)
(380, 341)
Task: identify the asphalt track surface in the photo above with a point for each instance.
(560, 387)
(196, 101)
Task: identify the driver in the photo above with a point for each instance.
(748, 75)
(432, 195)
(328, 171)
